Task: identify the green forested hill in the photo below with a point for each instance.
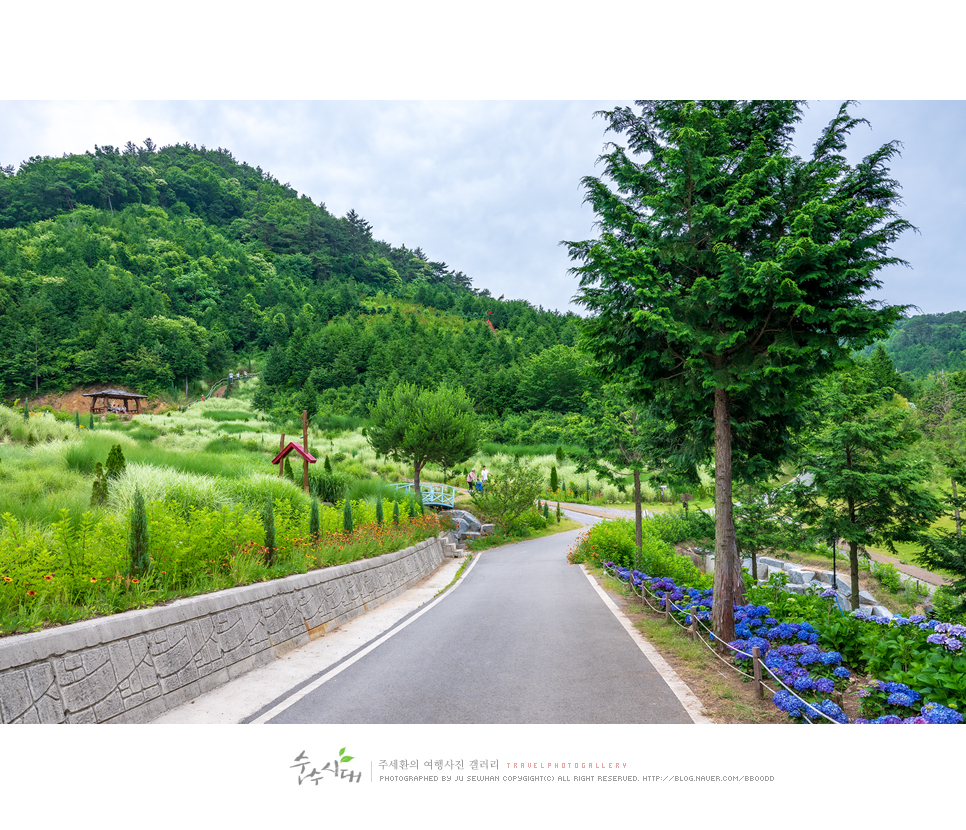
(155, 266)
(928, 343)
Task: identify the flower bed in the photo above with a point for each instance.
(808, 674)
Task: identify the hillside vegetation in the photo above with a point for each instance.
(160, 268)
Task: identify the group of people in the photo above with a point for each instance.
(474, 483)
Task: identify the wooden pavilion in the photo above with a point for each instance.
(115, 400)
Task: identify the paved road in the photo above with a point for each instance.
(523, 638)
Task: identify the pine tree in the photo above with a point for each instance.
(115, 462)
(99, 488)
(268, 520)
(314, 521)
(138, 544)
(730, 275)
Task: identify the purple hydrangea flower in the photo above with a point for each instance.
(937, 713)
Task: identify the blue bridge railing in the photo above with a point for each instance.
(434, 495)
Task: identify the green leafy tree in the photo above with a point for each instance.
(614, 435)
(138, 544)
(945, 550)
(511, 493)
(420, 425)
(729, 275)
(864, 480)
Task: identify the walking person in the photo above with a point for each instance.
(470, 480)
(484, 475)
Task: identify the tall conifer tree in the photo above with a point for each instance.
(729, 275)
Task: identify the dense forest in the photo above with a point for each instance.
(161, 267)
(928, 343)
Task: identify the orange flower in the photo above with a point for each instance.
(31, 593)
(49, 577)
(93, 579)
(135, 581)
(7, 579)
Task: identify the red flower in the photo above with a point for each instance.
(31, 593)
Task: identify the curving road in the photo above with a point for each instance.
(524, 637)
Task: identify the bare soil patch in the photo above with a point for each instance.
(74, 401)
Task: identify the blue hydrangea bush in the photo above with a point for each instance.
(811, 676)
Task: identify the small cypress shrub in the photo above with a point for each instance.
(115, 462)
(288, 470)
(395, 512)
(347, 517)
(99, 488)
(412, 508)
(138, 540)
(76, 419)
(546, 511)
(560, 454)
(268, 520)
(91, 424)
(314, 521)
(558, 512)
(553, 479)
(327, 465)
(379, 517)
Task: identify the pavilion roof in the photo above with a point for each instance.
(113, 393)
(298, 448)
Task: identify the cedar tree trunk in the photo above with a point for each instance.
(728, 584)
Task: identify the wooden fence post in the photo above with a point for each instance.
(756, 662)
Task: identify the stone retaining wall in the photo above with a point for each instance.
(133, 667)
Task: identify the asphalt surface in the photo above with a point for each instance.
(523, 637)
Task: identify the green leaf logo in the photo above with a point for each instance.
(343, 758)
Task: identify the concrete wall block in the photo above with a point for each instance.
(173, 659)
(110, 707)
(15, 697)
(132, 667)
(89, 690)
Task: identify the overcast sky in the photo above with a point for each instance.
(491, 188)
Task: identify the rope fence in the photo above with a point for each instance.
(665, 605)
